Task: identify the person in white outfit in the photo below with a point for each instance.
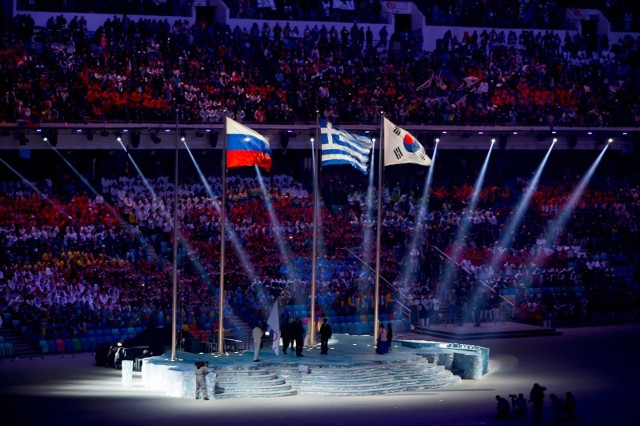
(257, 341)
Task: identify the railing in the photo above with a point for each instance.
(402, 300)
(139, 7)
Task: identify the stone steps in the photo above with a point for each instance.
(366, 379)
(19, 348)
(383, 380)
(254, 383)
(379, 388)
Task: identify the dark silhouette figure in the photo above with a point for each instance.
(325, 335)
(557, 407)
(285, 332)
(570, 407)
(536, 397)
(519, 406)
(503, 408)
(298, 335)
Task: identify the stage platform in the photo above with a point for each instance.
(44, 390)
(500, 330)
(352, 368)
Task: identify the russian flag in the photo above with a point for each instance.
(246, 147)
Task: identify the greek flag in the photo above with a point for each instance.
(342, 147)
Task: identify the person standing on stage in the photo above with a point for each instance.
(257, 342)
(325, 335)
(383, 347)
(285, 332)
(298, 333)
(202, 369)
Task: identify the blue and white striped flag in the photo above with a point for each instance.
(342, 147)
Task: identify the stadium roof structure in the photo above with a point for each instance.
(298, 136)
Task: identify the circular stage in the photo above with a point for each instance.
(352, 368)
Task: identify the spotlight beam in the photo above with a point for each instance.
(551, 234)
(276, 227)
(368, 242)
(518, 215)
(418, 233)
(465, 222)
(57, 206)
(240, 252)
(163, 208)
(114, 211)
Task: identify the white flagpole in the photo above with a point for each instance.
(223, 223)
(314, 250)
(174, 277)
(376, 306)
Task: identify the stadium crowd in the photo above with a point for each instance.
(73, 260)
(145, 70)
(533, 14)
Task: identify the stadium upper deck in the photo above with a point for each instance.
(518, 86)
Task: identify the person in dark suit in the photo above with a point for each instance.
(325, 335)
(297, 333)
(285, 331)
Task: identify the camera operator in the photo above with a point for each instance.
(519, 405)
(536, 397)
(202, 369)
(503, 411)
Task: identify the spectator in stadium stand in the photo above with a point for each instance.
(570, 83)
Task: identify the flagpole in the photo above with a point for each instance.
(174, 274)
(314, 250)
(223, 223)
(376, 306)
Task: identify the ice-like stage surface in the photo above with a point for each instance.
(352, 367)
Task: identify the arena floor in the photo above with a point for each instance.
(599, 365)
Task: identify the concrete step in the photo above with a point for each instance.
(359, 380)
(343, 375)
(253, 383)
(230, 385)
(257, 394)
(20, 349)
(383, 388)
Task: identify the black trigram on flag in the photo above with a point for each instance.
(398, 153)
